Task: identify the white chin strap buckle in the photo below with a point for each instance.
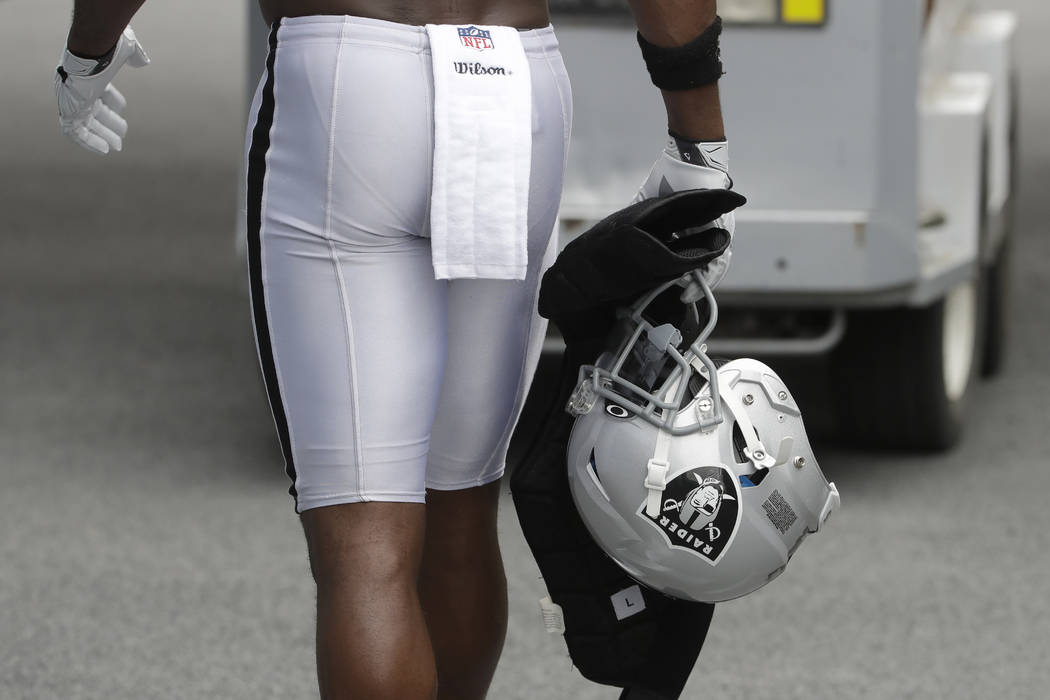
(759, 457)
(656, 482)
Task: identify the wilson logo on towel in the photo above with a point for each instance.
(474, 38)
(478, 69)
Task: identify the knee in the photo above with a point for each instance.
(376, 569)
(467, 567)
(361, 545)
(462, 529)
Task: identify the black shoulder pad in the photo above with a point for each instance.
(630, 252)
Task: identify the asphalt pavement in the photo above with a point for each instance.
(148, 547)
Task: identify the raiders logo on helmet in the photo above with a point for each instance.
(700, 512)
(702, 504)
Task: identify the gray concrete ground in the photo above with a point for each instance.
(148, 548)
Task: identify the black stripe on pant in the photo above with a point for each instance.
(260, 144)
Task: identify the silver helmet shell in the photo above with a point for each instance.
(707, 498)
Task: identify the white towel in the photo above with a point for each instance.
(482, 152)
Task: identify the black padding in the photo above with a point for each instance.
(630, 252)
(653, 651)
(641, 694)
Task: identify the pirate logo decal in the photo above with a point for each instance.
(700, 512)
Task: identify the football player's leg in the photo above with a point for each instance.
(462, 584)
(494, 341)
(463, 589)
(365, 541)
(372, 640)
(351, 331)
(359, 485)
(358, 348)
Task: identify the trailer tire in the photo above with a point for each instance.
(999, 272)
(901, 377)
(997, 332)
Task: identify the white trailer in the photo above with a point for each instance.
(876, 148)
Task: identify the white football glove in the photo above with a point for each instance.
(89, 106)
(690, 165)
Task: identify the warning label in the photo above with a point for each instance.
(779, 512)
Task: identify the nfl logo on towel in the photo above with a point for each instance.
(474, 38)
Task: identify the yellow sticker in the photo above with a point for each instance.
(802, 11)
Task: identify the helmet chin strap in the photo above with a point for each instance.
(755, 451)
(656, 473)
(658, 466)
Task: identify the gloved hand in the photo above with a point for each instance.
(690, 165)
(89, 106)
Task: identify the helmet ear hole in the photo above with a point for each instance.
(739, 444)
(757, 476)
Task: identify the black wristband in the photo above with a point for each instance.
(692, 65)
(102, 62)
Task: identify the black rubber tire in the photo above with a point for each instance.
(997, 278)
(888, 381)
(998, 274)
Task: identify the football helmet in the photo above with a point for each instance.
(699, 481)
